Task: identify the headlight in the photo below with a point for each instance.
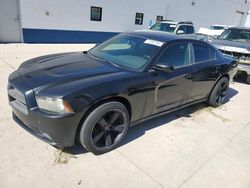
(53, 104)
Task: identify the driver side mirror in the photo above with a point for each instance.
(163, 67)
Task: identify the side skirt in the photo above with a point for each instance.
(166, 112)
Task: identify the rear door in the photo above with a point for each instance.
(205, 72)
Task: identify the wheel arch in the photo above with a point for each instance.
(220, 77)
(223, 75)
(120, 99)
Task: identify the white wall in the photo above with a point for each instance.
(119, 15)
(209, 12)
(10, 28)
(247, 24)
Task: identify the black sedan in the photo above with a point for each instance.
(95, 96)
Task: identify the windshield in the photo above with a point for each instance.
(236, 34)
(127, 51)
(164, 27)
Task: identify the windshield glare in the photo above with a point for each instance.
(236, 34)
(164, 27)
(127, 51)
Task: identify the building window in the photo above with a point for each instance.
(96, 14)
(139, 18)
(159, 18)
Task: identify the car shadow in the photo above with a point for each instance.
(230, 94)
(241, 78)
(140, 129)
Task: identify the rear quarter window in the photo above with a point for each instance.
(213, 53)
(201, 52)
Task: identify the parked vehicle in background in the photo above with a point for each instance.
(174, 27)
(235, 42)
(213, 30)
(96, 95)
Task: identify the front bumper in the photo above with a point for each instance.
(59, 131)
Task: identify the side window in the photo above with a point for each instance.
(201, 52)
(176, 55)
(189, 29)
(181, 29)
(213, 53)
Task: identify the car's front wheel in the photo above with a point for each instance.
(218, 94)
(104, 128)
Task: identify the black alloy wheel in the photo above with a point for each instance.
(219, 92)
(108, 129)
(104, 128)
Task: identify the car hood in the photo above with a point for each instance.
(230, 45)
(56, 69)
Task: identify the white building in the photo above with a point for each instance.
(51, 21)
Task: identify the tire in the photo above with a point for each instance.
(248, 79)
(218, 94)
(104, 128)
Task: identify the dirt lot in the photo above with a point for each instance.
(195, 147)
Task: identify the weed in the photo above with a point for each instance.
(62, 157)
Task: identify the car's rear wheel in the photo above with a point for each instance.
(104, 128)
(218, 94)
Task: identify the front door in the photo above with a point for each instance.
(172, 88)
(10, 28)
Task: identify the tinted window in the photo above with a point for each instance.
(164, 27)
(236, 34)
(213, 53)
(127, 51)
(176, 55)
(189, 30)
(201, 52)
(96, 14)
(215, 27)
(182, 28)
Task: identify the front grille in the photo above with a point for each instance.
(17, 99)
(241, 57)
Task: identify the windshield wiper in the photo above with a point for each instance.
(103, 60)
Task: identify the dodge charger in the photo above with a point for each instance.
(95, 96)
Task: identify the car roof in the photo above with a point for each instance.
(155, 35)
(219, 25)
(176, 23)
(161, 36)
(240, 28)
(169, 21)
